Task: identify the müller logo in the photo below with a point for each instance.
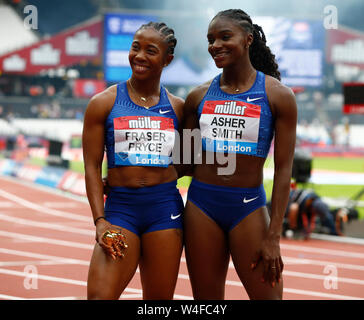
(145, 123)
(230, 107)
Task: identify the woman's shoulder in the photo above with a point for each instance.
(108, 95)
(177, 104)
(276, 87)
(198, 92)
(175, 100)
(280, 96)
(101, 103)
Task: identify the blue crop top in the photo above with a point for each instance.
(137, 136)
(236, 123)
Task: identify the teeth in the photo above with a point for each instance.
(140, 68)
(219, 54)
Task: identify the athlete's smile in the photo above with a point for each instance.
(140, 68)
(220, 55)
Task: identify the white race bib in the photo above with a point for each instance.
(143, 141)
(230, 126)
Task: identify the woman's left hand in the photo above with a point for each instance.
(270, 256)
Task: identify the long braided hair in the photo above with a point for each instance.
(166, 33)
(260, 54)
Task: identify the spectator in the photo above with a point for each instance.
(305, 207)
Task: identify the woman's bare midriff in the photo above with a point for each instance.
(248, 172)
(137, 177)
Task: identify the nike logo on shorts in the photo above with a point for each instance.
(245, 200)
(163, 112)
(175, 217)
(253, 99)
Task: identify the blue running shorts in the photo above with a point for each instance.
(227, 206)
(146, 209)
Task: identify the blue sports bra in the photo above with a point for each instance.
(136, 136)
(236, 123)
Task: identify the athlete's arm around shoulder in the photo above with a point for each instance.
(284, 108)
(96, 113)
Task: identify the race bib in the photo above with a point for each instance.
(143, 141)
(230, 126)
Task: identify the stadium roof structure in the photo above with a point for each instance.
(82, 42)
(13, 34)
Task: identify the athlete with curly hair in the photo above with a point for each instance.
(238, 113)
(141, 221)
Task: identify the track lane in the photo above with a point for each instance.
(43, 228)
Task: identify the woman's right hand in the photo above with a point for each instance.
(114, 249)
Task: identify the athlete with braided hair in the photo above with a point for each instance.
(238, 113)
(141, 221)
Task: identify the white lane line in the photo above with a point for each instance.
(92, 232)
(8, 204)
(45, 240)
(302, 261)
(46, 189)
(56, 298)
(74, 282)
(43, 256)
(183, 276)
(46, 225)
(86, 246)
(305, 292)
(64, 204)
(83, 199)
(321, 277)
(186, 277)
(56, 279)
(123, 296)
(290, 290)
(331, 238)
(43, 277)
(42, 209)
(340, 253)
(50, 211)
(33, 263)
(320, 294)
(182, 297)
(131, 296)
(7, 297)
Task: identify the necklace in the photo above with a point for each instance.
(141, 98)
(237, 89)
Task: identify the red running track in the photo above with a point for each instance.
(50, 235)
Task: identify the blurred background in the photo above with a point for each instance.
(55, 55)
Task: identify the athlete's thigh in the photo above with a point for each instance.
(159, 263)
(107, 278)
(245, 240)
(207, 254)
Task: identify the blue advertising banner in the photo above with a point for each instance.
(299, 48)
(119, 30)
(50, 176)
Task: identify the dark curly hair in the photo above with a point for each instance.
(166, 33)
(260, 54)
